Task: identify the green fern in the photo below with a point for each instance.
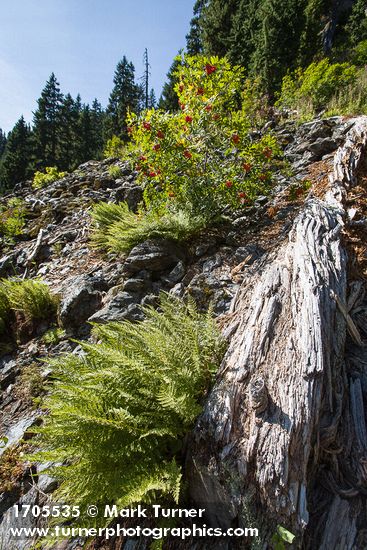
(53, 335)
(118, 413)
(117, 229)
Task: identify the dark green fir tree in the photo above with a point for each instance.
(169, 100)
(356, 27)
(216, 26)
(67, 133)
(2, 142)
(84, 146)
(46, 121)
(16, 157)
(194, 42)
(152, 101)
(96, 137)
(126, 94)
(277, 42)
(246, 23)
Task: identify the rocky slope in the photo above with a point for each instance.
(220, 266)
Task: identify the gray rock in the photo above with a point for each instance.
(45, 482)
(69, 236)
(17, 431)
(6, 262)
(21, 258)
(104, 183)
(233, 238)
(153, 256)
(122, 306)
(8, 371)
(22, 542)
(316, 129)
(150, 300)
(43, 253)
(80, 300)
(262, 199)
(176, 275)
(304, 161)
(323, 146)
(178, 290)
(340, 131)
(111, 274)
(43, 270)
(222, 300)
(136, 285)
(130, 193)
(212, 263)
(251, 253)
(240, 222)
(205, 247)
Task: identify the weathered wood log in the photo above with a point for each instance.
(36, 248)
(298, 458)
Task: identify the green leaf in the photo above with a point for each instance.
(3, 441)
(286, 535)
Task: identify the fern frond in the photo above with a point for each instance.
(117, 229)
(117, 412)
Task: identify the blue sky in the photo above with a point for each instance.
(81, 41)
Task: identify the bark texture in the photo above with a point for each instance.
(283, 438)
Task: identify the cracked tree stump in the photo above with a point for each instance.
(283, 434)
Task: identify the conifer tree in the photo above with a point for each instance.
(310, 39)
(78, 104)
(125, 95)
(96, 137)
(45, 124)
(84, 146)
(152, 99)
(2, 142)
(169, 100)
(277, 42)
(194, 44)
(67, 133)
(141, 99)
(217, 23)
(16, 157)
(246, 23)
(269, 37)
(356, 27)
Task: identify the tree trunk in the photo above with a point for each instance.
(338, 9)
(283, 439)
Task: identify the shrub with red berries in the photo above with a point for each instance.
(209, 69)
(202, 156)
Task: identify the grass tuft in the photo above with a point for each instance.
(30, 297)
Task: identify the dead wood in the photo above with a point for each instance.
(283, 434)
